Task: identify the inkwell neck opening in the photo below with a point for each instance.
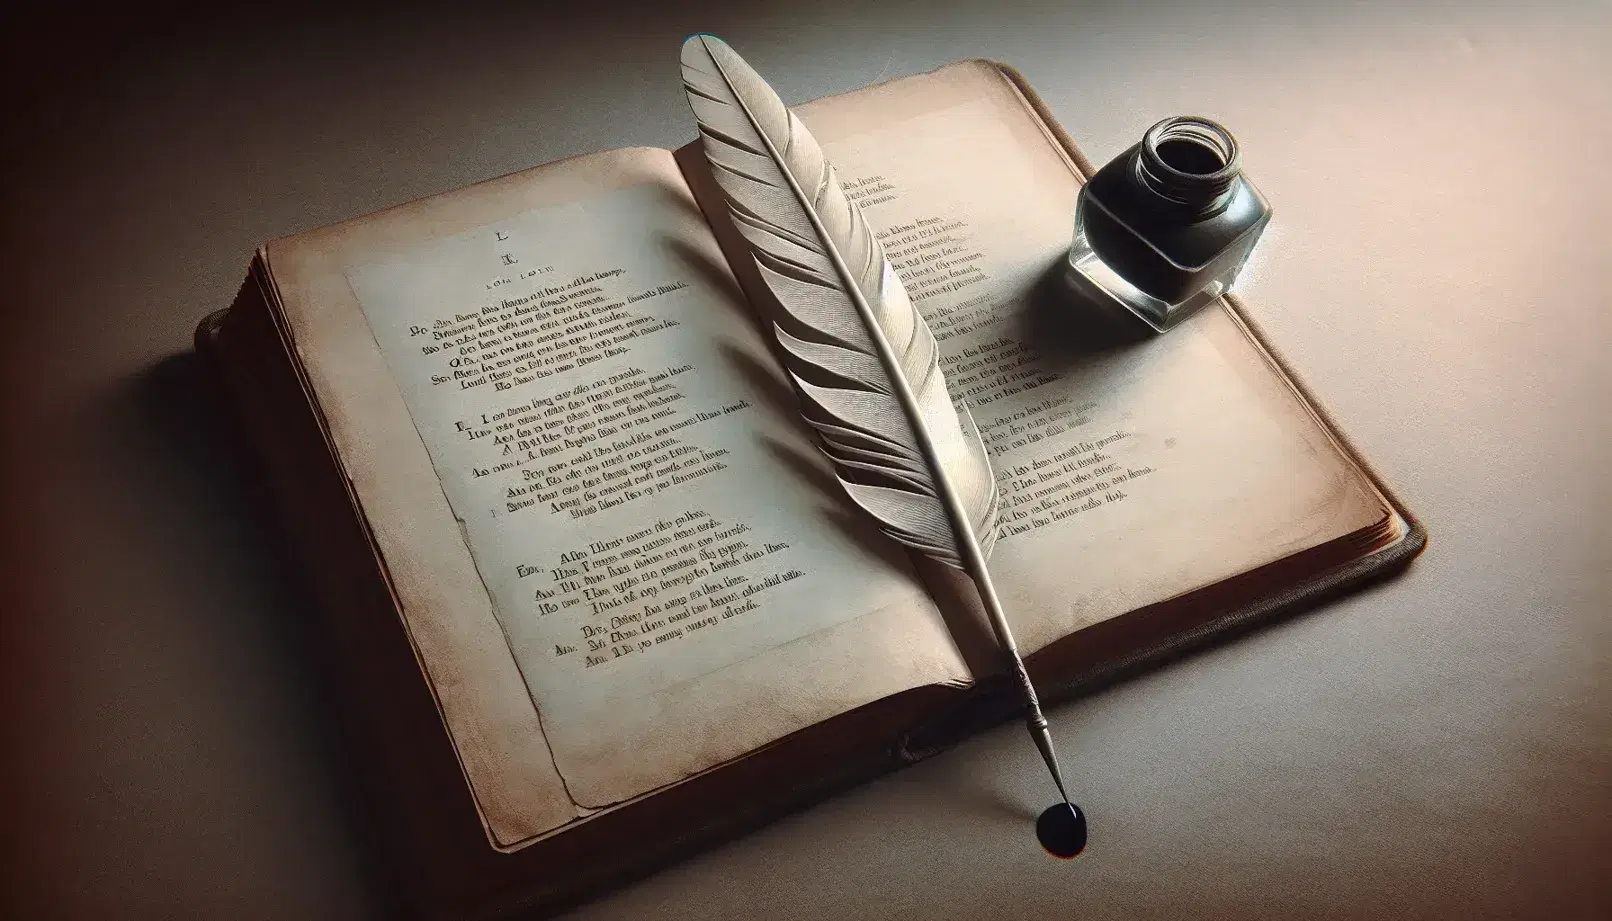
(1190, 161)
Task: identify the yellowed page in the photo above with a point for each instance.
(609, 534)
(1132, 473)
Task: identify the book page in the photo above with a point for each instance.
(1132, 472)
(643, 509)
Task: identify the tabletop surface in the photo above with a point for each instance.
(1437, 747)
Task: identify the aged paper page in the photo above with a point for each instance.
(485, 705)
(1131, 474)
(635, 491)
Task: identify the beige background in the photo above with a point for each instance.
(1438, 269)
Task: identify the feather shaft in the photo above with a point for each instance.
(919, 467)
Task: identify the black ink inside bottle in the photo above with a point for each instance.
(1166, 226)
(1062, 830)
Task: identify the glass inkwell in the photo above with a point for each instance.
(1166, 226)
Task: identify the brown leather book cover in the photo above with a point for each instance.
(430, 847)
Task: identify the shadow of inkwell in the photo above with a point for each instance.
(1070, 325)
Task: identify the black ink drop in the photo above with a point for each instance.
(1062, 830)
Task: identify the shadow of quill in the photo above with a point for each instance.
(768, 385)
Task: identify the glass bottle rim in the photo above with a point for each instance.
(1186, 187)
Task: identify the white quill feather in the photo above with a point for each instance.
(863, 360)
(818, 256)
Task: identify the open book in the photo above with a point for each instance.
(596, 590)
